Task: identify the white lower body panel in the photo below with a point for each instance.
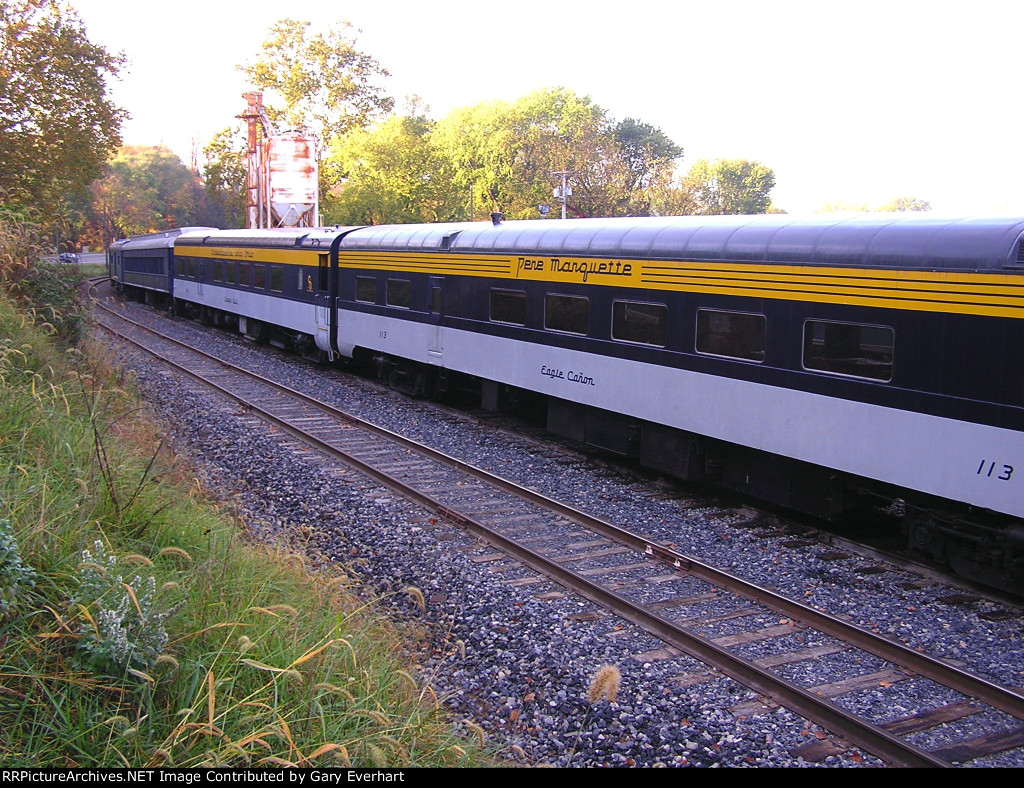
(971, 463)
(273, 310)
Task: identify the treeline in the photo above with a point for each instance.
(63, 161)
(381, 166)
(508, 156)
(495, 156)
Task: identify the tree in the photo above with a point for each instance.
(841, 206)
(225, 178)
(899, 204)
(121, 206)
(504, 154)
(325, 82)
(145, 189)
(392, 174)
(647, 151)
(907, 204)
(477, 144)
(728, 186)
(57, 126)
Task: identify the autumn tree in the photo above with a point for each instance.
(57, 125)
(121, 206)
(473, 140)
(632, 160)
(548, 131)
(325, 83)
(146, 189)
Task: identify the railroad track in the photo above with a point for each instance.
(682, 601)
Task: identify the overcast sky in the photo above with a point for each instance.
(855, 102)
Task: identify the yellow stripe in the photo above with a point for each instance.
(252, 255)
(438, 264)
(994, 294)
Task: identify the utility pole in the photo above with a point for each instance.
(563, 191)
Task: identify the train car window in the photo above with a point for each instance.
(567, 313)
(259, 272)
(229, 272)
(399, 293)
(181, 266)
(218, 270)
(243, 275)
(640, 322)
(277, 278)
(851, 349)
(366, 289)
(732, 334)
(508, 306)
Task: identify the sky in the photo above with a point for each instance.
(856, 102)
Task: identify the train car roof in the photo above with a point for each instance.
(889, 240)
(283, 237)
(160, 240)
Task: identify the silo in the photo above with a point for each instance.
(293, 187)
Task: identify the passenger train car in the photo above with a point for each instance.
(816, 363)
(145, 263)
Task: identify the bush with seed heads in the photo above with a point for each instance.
(16, 577)
(121, 626)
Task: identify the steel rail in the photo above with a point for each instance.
(871, 738)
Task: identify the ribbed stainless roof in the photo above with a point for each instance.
(286, 237)
(280, 237)
(156, 240)
(896, 240)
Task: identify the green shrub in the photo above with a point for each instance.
(50, 287)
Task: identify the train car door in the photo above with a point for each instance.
(435, 346)
(199, 278)
(115, 267)
(322, 302)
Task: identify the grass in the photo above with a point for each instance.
(140, 627)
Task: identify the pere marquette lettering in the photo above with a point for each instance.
(584, 268)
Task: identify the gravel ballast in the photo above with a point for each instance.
(517, 657)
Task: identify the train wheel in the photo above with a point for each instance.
(923, 538)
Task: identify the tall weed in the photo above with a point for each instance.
(175, 642)
(26, 270)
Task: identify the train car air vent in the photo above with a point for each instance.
(446, 242)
